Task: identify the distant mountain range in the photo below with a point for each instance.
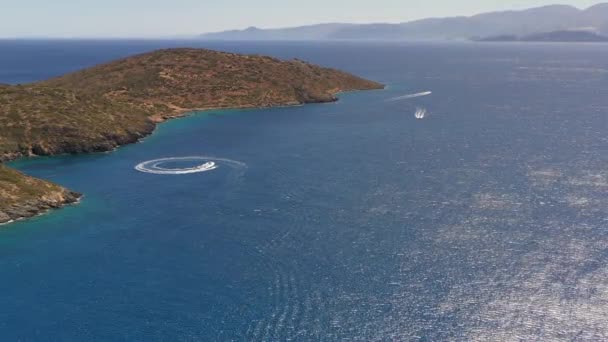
(515, 23)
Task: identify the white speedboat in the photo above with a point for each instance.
(207, 166)
(420, 113)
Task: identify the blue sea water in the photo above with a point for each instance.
(486, 220)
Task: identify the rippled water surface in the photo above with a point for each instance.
(485, 220)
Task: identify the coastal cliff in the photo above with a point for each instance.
(103, 107)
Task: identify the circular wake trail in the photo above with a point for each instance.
(201, 164)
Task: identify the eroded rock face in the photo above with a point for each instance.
(4, 218)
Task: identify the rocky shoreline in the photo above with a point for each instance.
(38, 207)
(112, 142)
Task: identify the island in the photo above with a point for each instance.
(554, 36)
(106, 106)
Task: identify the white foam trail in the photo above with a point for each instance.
(207, 164)
(410, 96)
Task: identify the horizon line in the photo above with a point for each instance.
(187, 36)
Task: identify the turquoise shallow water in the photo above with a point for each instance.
(487, 220)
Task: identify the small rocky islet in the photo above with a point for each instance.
(106, 106)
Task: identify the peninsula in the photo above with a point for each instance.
(106, 106)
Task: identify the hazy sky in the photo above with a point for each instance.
(154, 18)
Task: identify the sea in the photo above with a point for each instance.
(486, 219)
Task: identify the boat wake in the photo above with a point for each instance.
(409, 96)
(201, 164)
